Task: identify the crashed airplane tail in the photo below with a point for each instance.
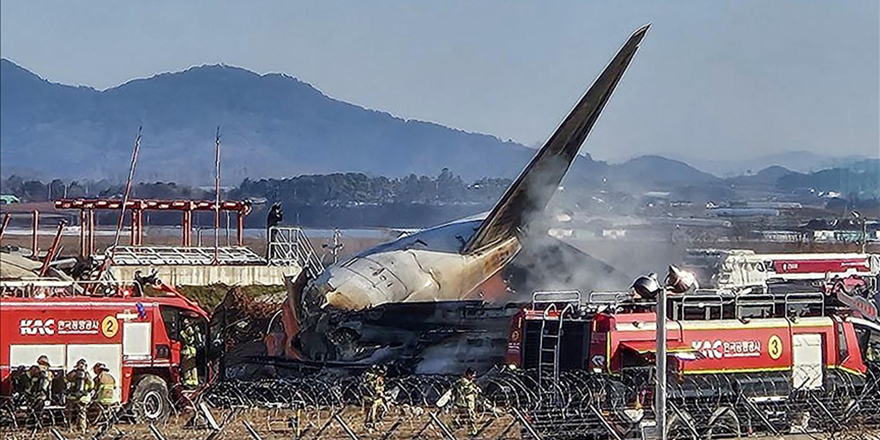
(447, 263)
(534, 187)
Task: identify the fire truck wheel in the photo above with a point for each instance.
(149, 401)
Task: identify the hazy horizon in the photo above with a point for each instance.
(713, 81)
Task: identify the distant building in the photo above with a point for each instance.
(781, 236)
(842, 236)
(845, 231)
(6, 199)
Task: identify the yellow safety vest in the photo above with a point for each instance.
(105, 387)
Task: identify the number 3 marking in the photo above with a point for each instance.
(775, 348)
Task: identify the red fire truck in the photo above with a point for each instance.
(725, 348)
(135, 336)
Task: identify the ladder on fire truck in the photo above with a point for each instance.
(549, 343)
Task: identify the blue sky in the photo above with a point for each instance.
(722, 79)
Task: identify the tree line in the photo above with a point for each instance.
(338, 190)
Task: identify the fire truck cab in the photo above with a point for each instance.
(136, 336)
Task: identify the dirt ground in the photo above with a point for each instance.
(398, 423)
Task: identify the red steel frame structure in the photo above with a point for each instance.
(137, 207)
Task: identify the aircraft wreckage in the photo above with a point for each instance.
(421, 297)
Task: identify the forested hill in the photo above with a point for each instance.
(273, 126)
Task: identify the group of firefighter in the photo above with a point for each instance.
(463, 395)
(82, 390)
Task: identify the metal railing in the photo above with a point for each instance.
(184, 256)
(561, 298)
(50, 287)
(289, 245)
(724, 305)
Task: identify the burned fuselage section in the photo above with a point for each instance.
(416, 337)
(423, 267)
(388, 302)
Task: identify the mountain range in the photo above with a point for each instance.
(272, 125)
(798, 161)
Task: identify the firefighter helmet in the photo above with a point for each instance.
(646, 286)
(43, 360)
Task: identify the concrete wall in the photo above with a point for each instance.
(206, 275)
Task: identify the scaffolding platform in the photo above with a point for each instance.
(185, 256)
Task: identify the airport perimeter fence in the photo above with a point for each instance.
(513, 405)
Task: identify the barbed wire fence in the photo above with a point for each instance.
(513, 405)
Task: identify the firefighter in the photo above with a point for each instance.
(21, 382)
(373, 391)
(189, 338)
(45, 380)
(105, 386)
(465, 393)
(38, 384)
(276, 215)
(104, 399)
(79, 391)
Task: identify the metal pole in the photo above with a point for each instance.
(345, 427)
(6, 218)
(217, 198)
(250, 429)
(125, 195)
(445, 429)
(92, 225)
(91, 232)
(239, 229)
(525, 424)
(35, 244)
(227, 228)
(140, 225)
(184, 226)
(660, 390)
(50, 254)
(156, 432)
(83, 219)
(134, 214)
